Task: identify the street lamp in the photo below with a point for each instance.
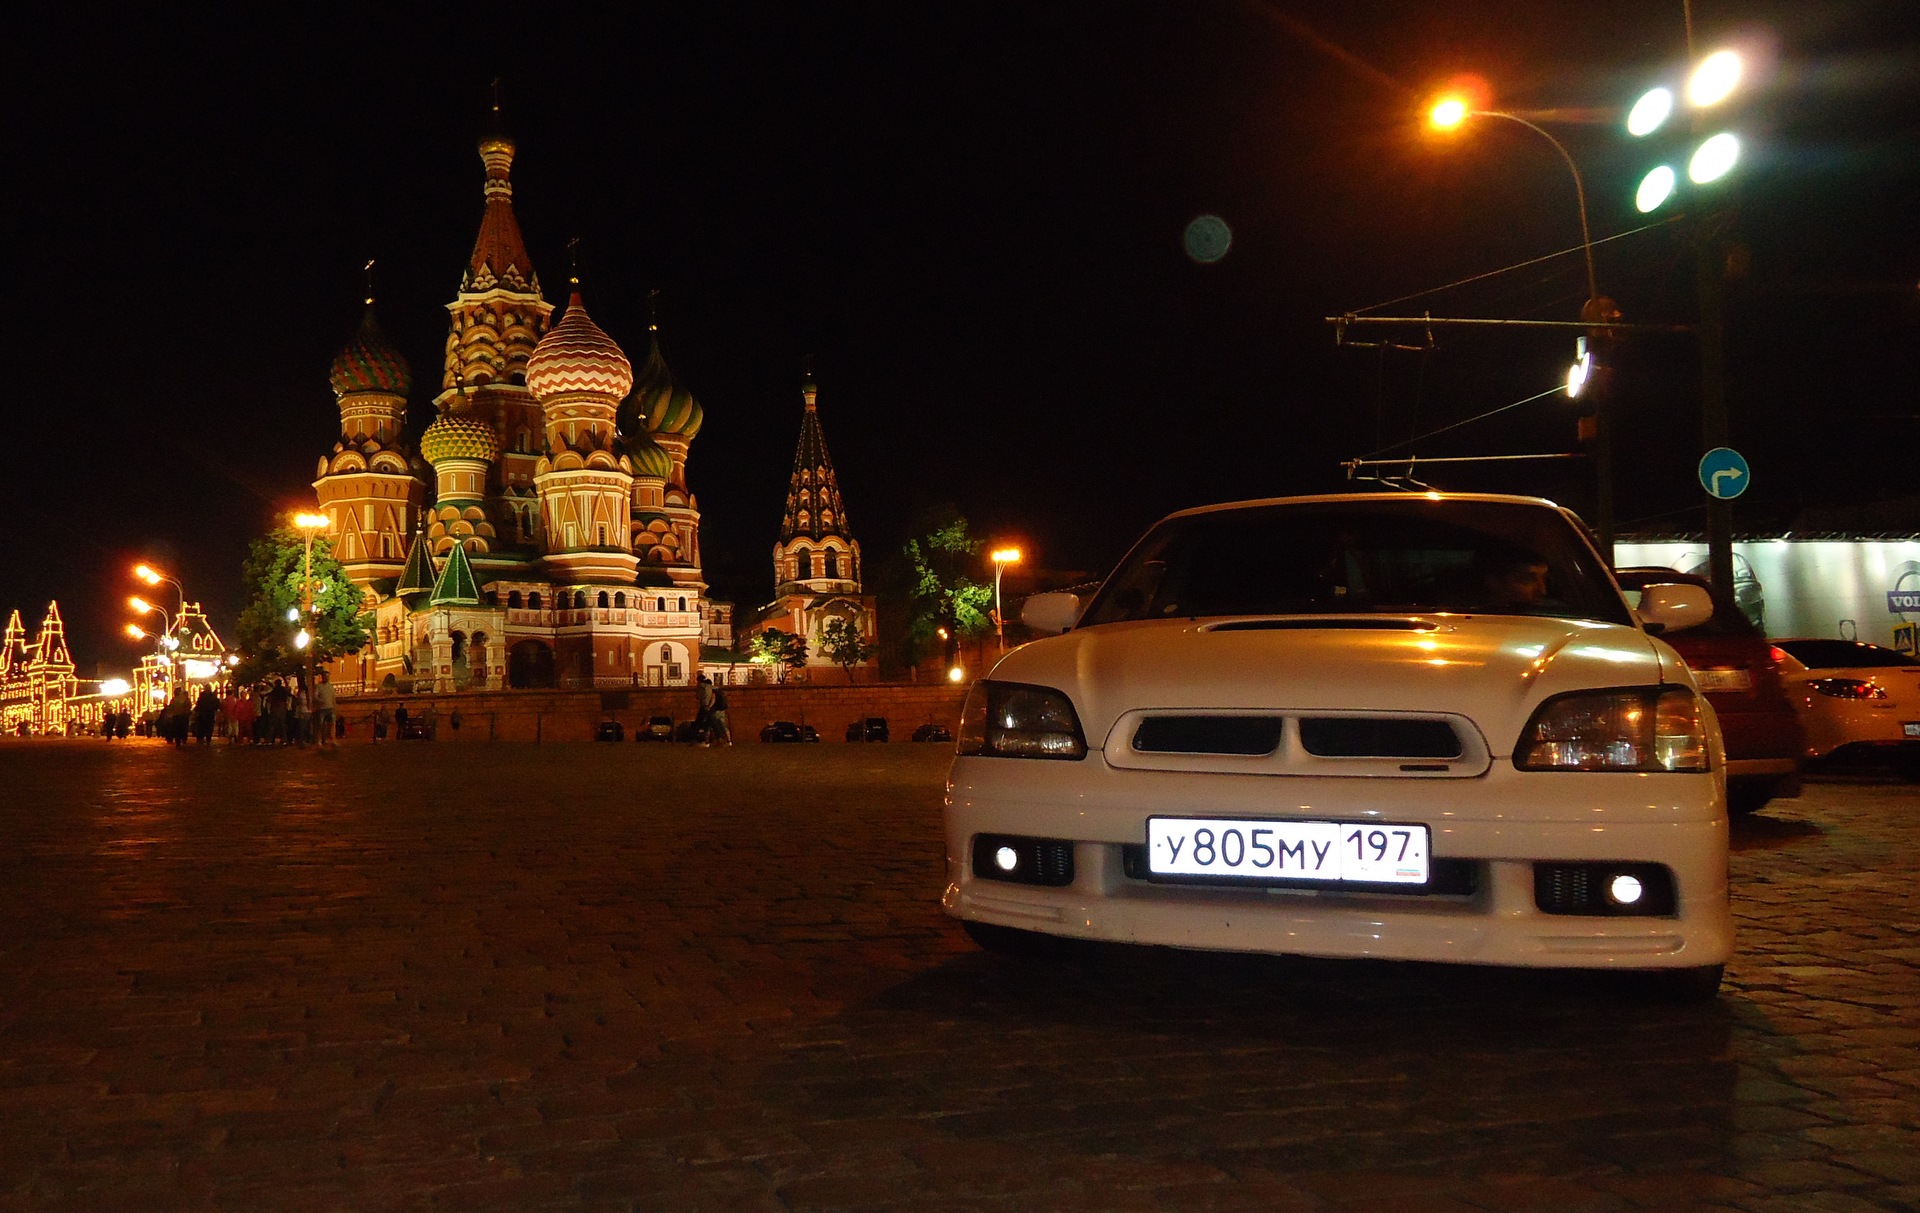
(1002, 557)
(1449, 113)
(153, 577)
(1712, 81)
(309, 526)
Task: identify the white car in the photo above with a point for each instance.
(1854, 698)
(1416, 727)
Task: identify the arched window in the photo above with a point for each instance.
(533, 601)
(579, 600)
(833, 563)
(603, 600)
(513, 600)
(806, 565)
(660, 605)
(620, 600)
(683, 604)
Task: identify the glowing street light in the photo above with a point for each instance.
(1711, 82)
(309, 526)
(1002, 557)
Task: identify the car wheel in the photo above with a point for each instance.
(1686, 987)
(1011, 941)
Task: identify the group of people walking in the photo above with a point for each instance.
(275, 713)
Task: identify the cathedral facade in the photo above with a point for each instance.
(37, 683)
(542, 533)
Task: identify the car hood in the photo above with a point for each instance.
(1493, 669)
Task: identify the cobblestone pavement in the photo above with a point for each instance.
(647, 977)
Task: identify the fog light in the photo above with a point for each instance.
(1007, 860)
(1625, 890)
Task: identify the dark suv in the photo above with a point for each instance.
(868, 728)
(1735, 667)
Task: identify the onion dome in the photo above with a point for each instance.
(649, 458)
(664, 408)
(455, 437)
(370, 363)
(576, 357)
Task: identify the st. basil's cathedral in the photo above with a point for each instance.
(543, 532)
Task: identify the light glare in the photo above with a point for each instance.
(1625, 889)
(1655, 188)
(1714, 159)
(1006, 859)
(1577, 375)
(1447, 114)
(1715, 79)
(1650, 112)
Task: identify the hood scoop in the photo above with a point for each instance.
(1351, 623)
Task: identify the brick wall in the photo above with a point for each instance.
(573, 715)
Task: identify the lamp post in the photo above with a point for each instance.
(164, 642)
(153, 577)
(309, 526)
(1002, 557)
(1711, 81)
(1450, 113)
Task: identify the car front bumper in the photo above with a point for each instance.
(1504, 822)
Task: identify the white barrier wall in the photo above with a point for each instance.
(1860, 589)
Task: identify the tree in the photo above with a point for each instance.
(784, 651)
(841, 640)
(273, 572)
(944, 596)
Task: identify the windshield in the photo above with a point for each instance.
(1393, 555)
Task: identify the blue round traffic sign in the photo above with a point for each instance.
(1724, 473)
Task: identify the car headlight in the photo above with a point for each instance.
(1628, 729)
(1014, 720)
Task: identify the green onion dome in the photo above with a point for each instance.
(370, 363)
(649, 458)
(576, 357)
(664, 408)
(455, 437)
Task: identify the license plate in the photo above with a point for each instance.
(1317, 852)
(1911, 728)
(1724, 680)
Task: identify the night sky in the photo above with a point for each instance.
(970, 217)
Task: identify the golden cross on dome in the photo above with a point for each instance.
(368, 270)
(573, 256)
(653, 310)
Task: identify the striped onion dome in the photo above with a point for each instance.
(455, 437)
(649, 457)
(370, 363)
(576, 357)
(664, 408)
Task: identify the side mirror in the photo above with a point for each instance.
(1051, 613)
(1673, 607)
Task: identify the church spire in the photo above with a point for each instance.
(499, 260)
(814, 509)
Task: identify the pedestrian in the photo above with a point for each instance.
(400, 721)
(246, 723)
(380, 719)
(173, 721)
(205, 708)
(300, 714)
(703, 710)
(277, 700)
(722, 731)
(323, 704)
(431, 720)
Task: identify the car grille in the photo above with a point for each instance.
(1281, 743)
(1208, 734)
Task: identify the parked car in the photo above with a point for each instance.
(1735, 665)
(657, 728)
(932, 732)
(609, 730)
(1430, 720)
(1855, 700)
(868, 728)
(787, 730)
